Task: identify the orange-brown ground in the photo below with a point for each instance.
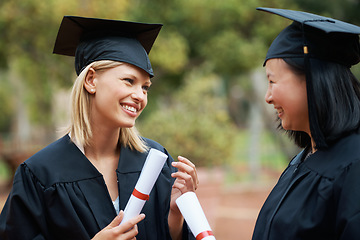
(231, 209)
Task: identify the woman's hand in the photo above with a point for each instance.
(186, 180)
(125, 231)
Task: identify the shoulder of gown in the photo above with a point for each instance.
(61, 161)
(331, 162)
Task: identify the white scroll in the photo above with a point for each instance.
(153, 164)
(193, 213)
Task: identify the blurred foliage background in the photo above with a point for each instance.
(206, 102)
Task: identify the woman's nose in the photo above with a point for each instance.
(268, 96)
(138, 94)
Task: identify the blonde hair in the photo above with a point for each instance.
(80, 127)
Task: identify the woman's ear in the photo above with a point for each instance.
(90, 82)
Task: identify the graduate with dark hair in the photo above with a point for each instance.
(317, 99)
(75, 187)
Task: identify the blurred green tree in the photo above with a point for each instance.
(194, 122)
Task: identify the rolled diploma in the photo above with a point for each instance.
(153, 164)
(193, 213)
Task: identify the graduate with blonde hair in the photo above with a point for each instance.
(77, 187)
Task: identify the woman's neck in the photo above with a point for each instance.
(103, 144)
(104, 152)
(313, 146)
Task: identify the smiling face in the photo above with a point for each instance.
(287, 92)
(119, 95)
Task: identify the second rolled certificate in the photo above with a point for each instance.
(149, 173)
(193, 213)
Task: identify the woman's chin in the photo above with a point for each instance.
(285, 126)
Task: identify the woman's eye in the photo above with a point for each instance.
(146, 88)
(129, 80)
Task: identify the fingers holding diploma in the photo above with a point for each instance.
(186, 177)
(125, 231)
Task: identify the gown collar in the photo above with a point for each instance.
(129, 161)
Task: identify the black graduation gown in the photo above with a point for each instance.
(316, 199)
(59, 194)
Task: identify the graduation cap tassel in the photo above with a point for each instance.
(315, 130)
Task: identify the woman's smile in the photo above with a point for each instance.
(131, 110)
(280, 112)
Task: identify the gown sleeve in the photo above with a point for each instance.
(348, 214)
(23, 214)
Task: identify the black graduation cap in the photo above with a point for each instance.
(314, 36)
(93, 39)
(325, 38)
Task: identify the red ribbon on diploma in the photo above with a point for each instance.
(140, 195)
(204, 234)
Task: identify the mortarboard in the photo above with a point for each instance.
(325, 38)
(314, 36)
(93, 39)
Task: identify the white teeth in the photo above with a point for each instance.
(132, 109)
